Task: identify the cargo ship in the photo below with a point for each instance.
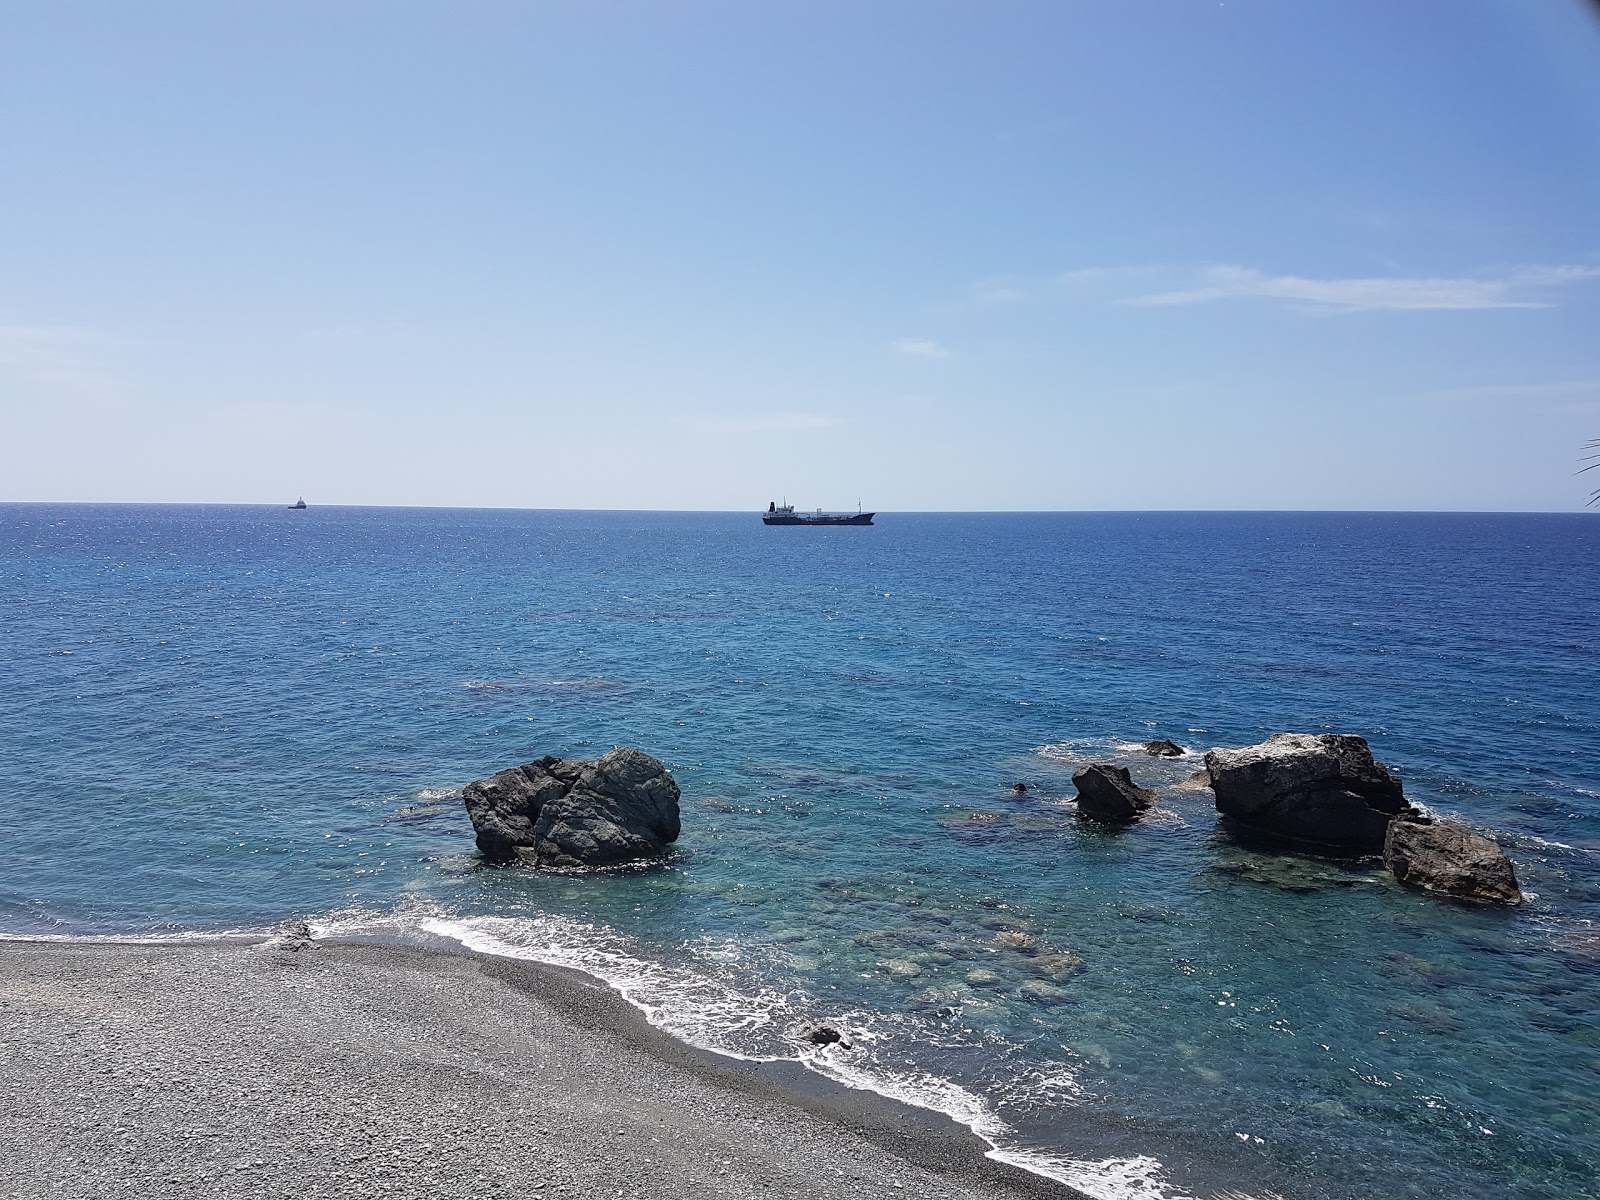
(784, 514)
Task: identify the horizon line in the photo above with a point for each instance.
(1580, 510)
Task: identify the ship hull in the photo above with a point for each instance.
(815, 519)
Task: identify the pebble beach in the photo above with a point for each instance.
(287, 1067)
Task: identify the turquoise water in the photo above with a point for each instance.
(219, 717)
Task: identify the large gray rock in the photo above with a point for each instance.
(564, 814)
(1321, 789)
(1107, 794)
(1447, 859)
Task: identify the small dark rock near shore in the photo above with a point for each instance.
(1164, 749)
(1450, 860)
(576, 813)
(826, 1035)
(1325, 790)
(1107, 794)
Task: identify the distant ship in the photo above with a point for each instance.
(784, 514)
(300, 503)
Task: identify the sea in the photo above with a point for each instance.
(218, 719)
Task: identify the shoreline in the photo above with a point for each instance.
(123, 1056)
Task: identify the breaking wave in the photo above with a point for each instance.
(712, 1001)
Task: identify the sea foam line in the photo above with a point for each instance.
(1076, 751)
(176, 936)
(711, 1014)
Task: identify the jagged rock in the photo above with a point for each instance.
(1325, 790)
(579, 813)
(1164, 749)
(824, 1035)
(1107, 794)
(1447, 859)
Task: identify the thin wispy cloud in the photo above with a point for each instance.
(58, 359)
(361, 333)
(1526, 287)
(992, 293)
(919, 348)
(1570, 273)
(778, 422)
(1582, 391)
(1099, 274)
(30, 345)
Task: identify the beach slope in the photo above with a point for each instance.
(287, 1068)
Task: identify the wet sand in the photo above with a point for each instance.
(287, 1068)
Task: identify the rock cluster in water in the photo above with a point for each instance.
(574, 813)
(1322, 789)
(1326, 792)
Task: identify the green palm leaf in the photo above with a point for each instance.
(1593, 459)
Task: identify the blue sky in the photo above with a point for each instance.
(1146, 254)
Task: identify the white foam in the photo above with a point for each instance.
(702, 1003)
(1138, 1178)
(1076, 751)
(140, 939)
(916, 1088)
(695, 1002)
(1502, 836)
(1545, 843)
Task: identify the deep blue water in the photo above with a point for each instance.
(218, 717)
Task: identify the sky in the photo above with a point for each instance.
(997, 255)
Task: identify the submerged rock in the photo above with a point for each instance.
(1446, 859)
(1164, 749)
(1054, 966)
(1325, 790)
(1043, 993)
(1015, 939)
(578, 813)
(1291, 873)
(878, 939)
(1107, 794)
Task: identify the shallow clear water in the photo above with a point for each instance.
(218, 717)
